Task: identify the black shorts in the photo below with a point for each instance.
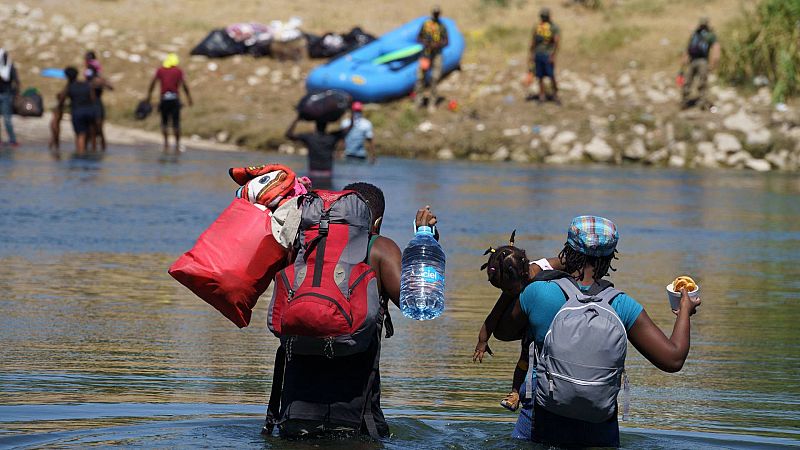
(83, 118)
(170, 111)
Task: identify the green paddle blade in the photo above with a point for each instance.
(404, 52)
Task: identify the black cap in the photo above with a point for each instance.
(544, 12)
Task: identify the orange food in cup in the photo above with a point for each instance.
(684, 281)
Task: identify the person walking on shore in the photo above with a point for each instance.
(9, 86)
(700, 58)
(171, 79)
(433, 37)
(358, 145)
(544, 47)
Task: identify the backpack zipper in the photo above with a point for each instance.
(330, 299)
(355, 283)
(286, 283)
(576, 381)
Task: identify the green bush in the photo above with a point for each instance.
(765, 42)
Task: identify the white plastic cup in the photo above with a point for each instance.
(675, 297)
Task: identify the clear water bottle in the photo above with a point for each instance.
(422, 277)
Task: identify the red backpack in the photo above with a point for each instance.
(327, 302)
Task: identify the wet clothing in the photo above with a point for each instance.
(540, 302)
(92, 72)
(82, 107)
(354, 142)
(322, 395)
(170, 80)
(321, 147)
(170, 113)
(544, 38)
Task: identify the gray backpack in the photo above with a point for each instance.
(581, 365)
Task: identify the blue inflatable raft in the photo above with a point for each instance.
(385, 68)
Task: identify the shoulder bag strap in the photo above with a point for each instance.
(274, 407)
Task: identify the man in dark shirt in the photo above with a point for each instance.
(9, 86)
(321, 147)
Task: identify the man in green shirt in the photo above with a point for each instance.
(701, 57)
(544, 47)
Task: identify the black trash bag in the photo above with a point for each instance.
(326, 106)
(218, 45)
(29, 104)
(325, 46)
(357, 38)
(259, 49)
(143, 109)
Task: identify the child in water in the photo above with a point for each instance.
(509, 270)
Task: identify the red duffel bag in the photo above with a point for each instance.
(233, 261)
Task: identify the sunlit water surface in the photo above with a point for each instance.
(101, 347)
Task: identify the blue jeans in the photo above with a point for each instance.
(6, 109)
(524, 425)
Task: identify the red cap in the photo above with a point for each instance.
(357, 106)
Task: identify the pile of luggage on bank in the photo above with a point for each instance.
(281, 40)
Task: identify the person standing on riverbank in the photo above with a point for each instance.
(586, 258)
(171, 79)
(321, 147)
(433, 37)
(701, 58)
(9, 87)
(544, 48)
(358, 145)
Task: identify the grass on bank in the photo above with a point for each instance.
(764, 41)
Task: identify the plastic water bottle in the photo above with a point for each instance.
(422, 277)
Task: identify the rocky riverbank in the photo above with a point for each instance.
(627, 115)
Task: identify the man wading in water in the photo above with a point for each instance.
(340, 394)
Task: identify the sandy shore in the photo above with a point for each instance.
(37, 129)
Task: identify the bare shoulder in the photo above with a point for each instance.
(384, 248)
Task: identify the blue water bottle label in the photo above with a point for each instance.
(431, 275)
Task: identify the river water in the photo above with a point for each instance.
(101, 347)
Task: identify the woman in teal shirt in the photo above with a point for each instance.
(587, 256)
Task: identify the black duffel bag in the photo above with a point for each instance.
(326, 106)
(29, 104)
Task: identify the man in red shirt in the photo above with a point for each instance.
(171, 78)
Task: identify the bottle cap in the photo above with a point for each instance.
(424, 229)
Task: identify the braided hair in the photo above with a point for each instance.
(507, 265)
(575, 261)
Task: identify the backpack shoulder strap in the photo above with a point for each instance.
(570, 289)
(274, 408)
(608, 295)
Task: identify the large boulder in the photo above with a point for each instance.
(727, 143)
(759, 165)
(636, 150)
(562, 142)
(599, 150)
